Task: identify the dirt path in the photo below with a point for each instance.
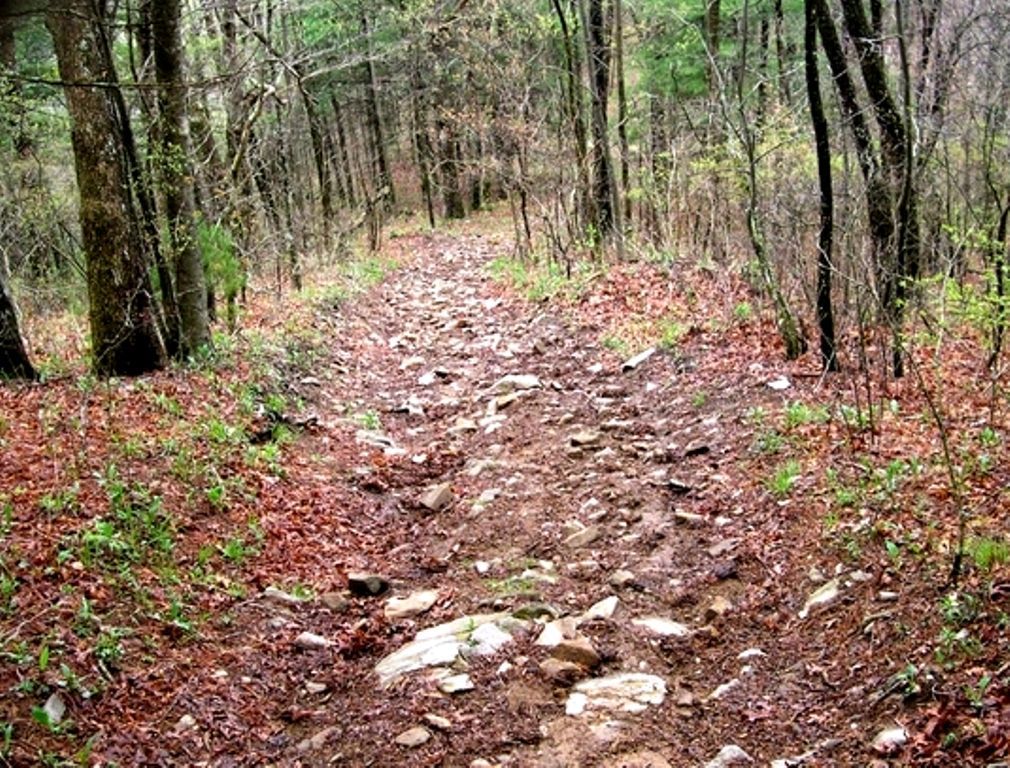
(593, 483)
(590, 522)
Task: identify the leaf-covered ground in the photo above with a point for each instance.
(148, 524)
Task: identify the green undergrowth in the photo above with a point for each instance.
(542, 279)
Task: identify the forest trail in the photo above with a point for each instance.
(509, 466)
(580, 556)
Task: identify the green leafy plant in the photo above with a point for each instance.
(988, 553)
(782, 481)
(798, 414)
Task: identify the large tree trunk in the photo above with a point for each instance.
(122, 312)
(177, 176)
(14, 362)
(825, 235)
(384, 179)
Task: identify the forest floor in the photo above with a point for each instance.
(647, 562)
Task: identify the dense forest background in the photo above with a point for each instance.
(846, 158)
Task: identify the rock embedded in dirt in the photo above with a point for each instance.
(727, 569)
(514, 382)
(659, 625)
(584, 438)
(414, 737)
(578, 650)
(633, 362)
(281, 597)
(437, 497)
(824, 595)
(724, 689)
(335, 601)
(631, 692)
(455, 683)
(584, 537)
(363, 584)
(728, 756)
(889, 740)
(621, 579)
(689, 518)
(55, 709)
(438, 722)
(556, 631)
(602, 609)
(310, 641)
(561, 671)
(412, 605)
(643, 759)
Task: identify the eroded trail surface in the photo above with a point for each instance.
(618, 589)
(619, 597)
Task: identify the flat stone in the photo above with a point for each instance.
(55, 709)
(621, 578)
(412, 605)
(729, 755)
(578, 650)
(584, 438)
(889, 740)
(583, 538)
(456, 684)
(516, 381)
(630, 692)
(633, 362)
(557, 631)
(414, 737)
(824, 595)
(602, 609)
(664, 627)
(487, 639)
(437, 498)
(363, 584)
(751, 653)
(724, 689)
(463, 425)
(335, 601)
(438, 722)
(315, 688)
(281, 597)
(309, 641)
(185, 723)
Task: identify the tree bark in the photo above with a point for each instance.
(384, 178)
(598, 50)
(177, 176)
(122, 311)
(825, 235)
(14, 362)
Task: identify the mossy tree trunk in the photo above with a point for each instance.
(122, 311)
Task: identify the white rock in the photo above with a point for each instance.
(555, 631)
(184, 723)
(889, 740)
(516, 381)
(632, 363)
(751, 653)
(414, 737)
(780, 384)
(724, 689)
(482, 566)
(624, 692)
(488, 639)
(729, 755)
(310, 641)
(456, 684)
(825, 594)
(412, 605)
(604, 609)
(439, 722)
(662, 626)
(55, 709)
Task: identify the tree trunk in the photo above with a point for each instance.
(384, 178)
(122, 312)
(14, 362)
(598, 50)
(177, 176)
(825, 235)
(622, 113)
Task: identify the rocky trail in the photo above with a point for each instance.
(498, 543)
(568, 562)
